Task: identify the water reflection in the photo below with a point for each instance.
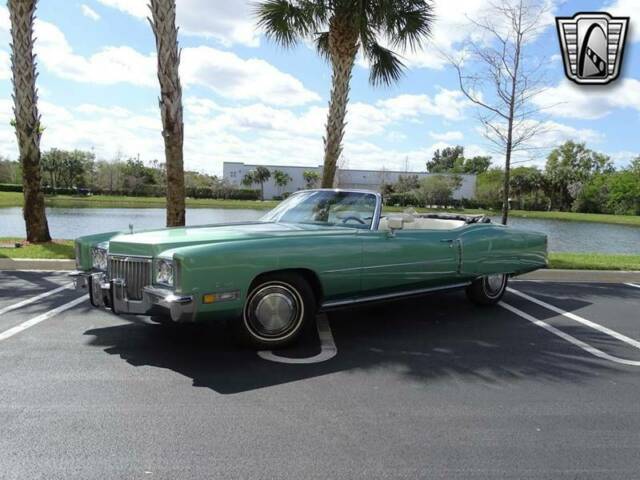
(73, 222)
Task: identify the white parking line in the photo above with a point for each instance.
(33, 299)
(328, 348)
(579, 319)
(632, 285)
(41, 318)
(565, 336)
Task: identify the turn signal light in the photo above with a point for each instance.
(208, 298)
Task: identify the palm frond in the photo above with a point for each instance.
(287, 21)
(386, 66)
(406, 23)
(322, 45)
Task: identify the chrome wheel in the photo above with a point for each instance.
(273, 311)
(494, 284)
(488, 290)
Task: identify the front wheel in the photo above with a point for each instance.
(277, 309)
(488, 290)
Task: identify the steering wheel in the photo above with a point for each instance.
(357, 219)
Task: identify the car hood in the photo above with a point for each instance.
(152, 242)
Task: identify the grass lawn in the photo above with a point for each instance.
(14, 199)
(594, 261)
(573, 261)
(58, 249)
(631, 220)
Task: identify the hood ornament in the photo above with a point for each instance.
(131, 228)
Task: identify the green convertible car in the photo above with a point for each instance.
(316, 250)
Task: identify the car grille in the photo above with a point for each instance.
(135, 271)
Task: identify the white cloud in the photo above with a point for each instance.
(453, 26)
(108, 66)
(550, 135)
(446, 103)
(88, 127)
(554, 133)
(624, 158)
(626, 8)
(256, 132)
(5, 65)
(225, 73)
(228, 22)
(447, 136)
(137, 8)
(589, 102)
(233, 77)
(87, 11)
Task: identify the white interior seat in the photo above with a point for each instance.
(422, 223)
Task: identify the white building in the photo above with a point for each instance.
(234, 172)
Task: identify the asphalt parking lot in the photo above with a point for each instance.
(547, 385)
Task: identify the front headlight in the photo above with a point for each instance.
(164, 272)
(99, 258)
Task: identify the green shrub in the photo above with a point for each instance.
(10, 187)
(199, 192)
(242, 194)
(406, 199)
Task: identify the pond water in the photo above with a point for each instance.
(73, 222)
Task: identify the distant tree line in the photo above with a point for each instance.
(575, 178)
(72, 171)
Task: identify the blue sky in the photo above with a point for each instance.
(248, 100)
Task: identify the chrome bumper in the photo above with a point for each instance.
(105, 293)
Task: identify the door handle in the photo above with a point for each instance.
(448, 241)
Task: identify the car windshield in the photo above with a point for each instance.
(326, 207)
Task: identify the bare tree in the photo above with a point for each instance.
(163, 24)
(27, 118)
(497, 74)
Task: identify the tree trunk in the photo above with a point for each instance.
(343, 46)
(27, 118)
(164, 28)
(509, 145)
(507, 172)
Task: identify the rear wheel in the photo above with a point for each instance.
(488, 290)
(278, 308)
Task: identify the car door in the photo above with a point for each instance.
(408, 260)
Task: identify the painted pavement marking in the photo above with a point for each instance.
(328, 348)
(41, 318)
(31, 300)
(579, 319)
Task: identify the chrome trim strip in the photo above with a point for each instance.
(123, 255)
(377, 213)
(134, 272)
(373, 267)
(408, 293)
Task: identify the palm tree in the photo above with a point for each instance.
(27, 118)
(163, 24)
(311, 178)
(281, 179)
(259, 175)
(340, 28)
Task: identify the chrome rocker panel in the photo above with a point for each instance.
(105, 293)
